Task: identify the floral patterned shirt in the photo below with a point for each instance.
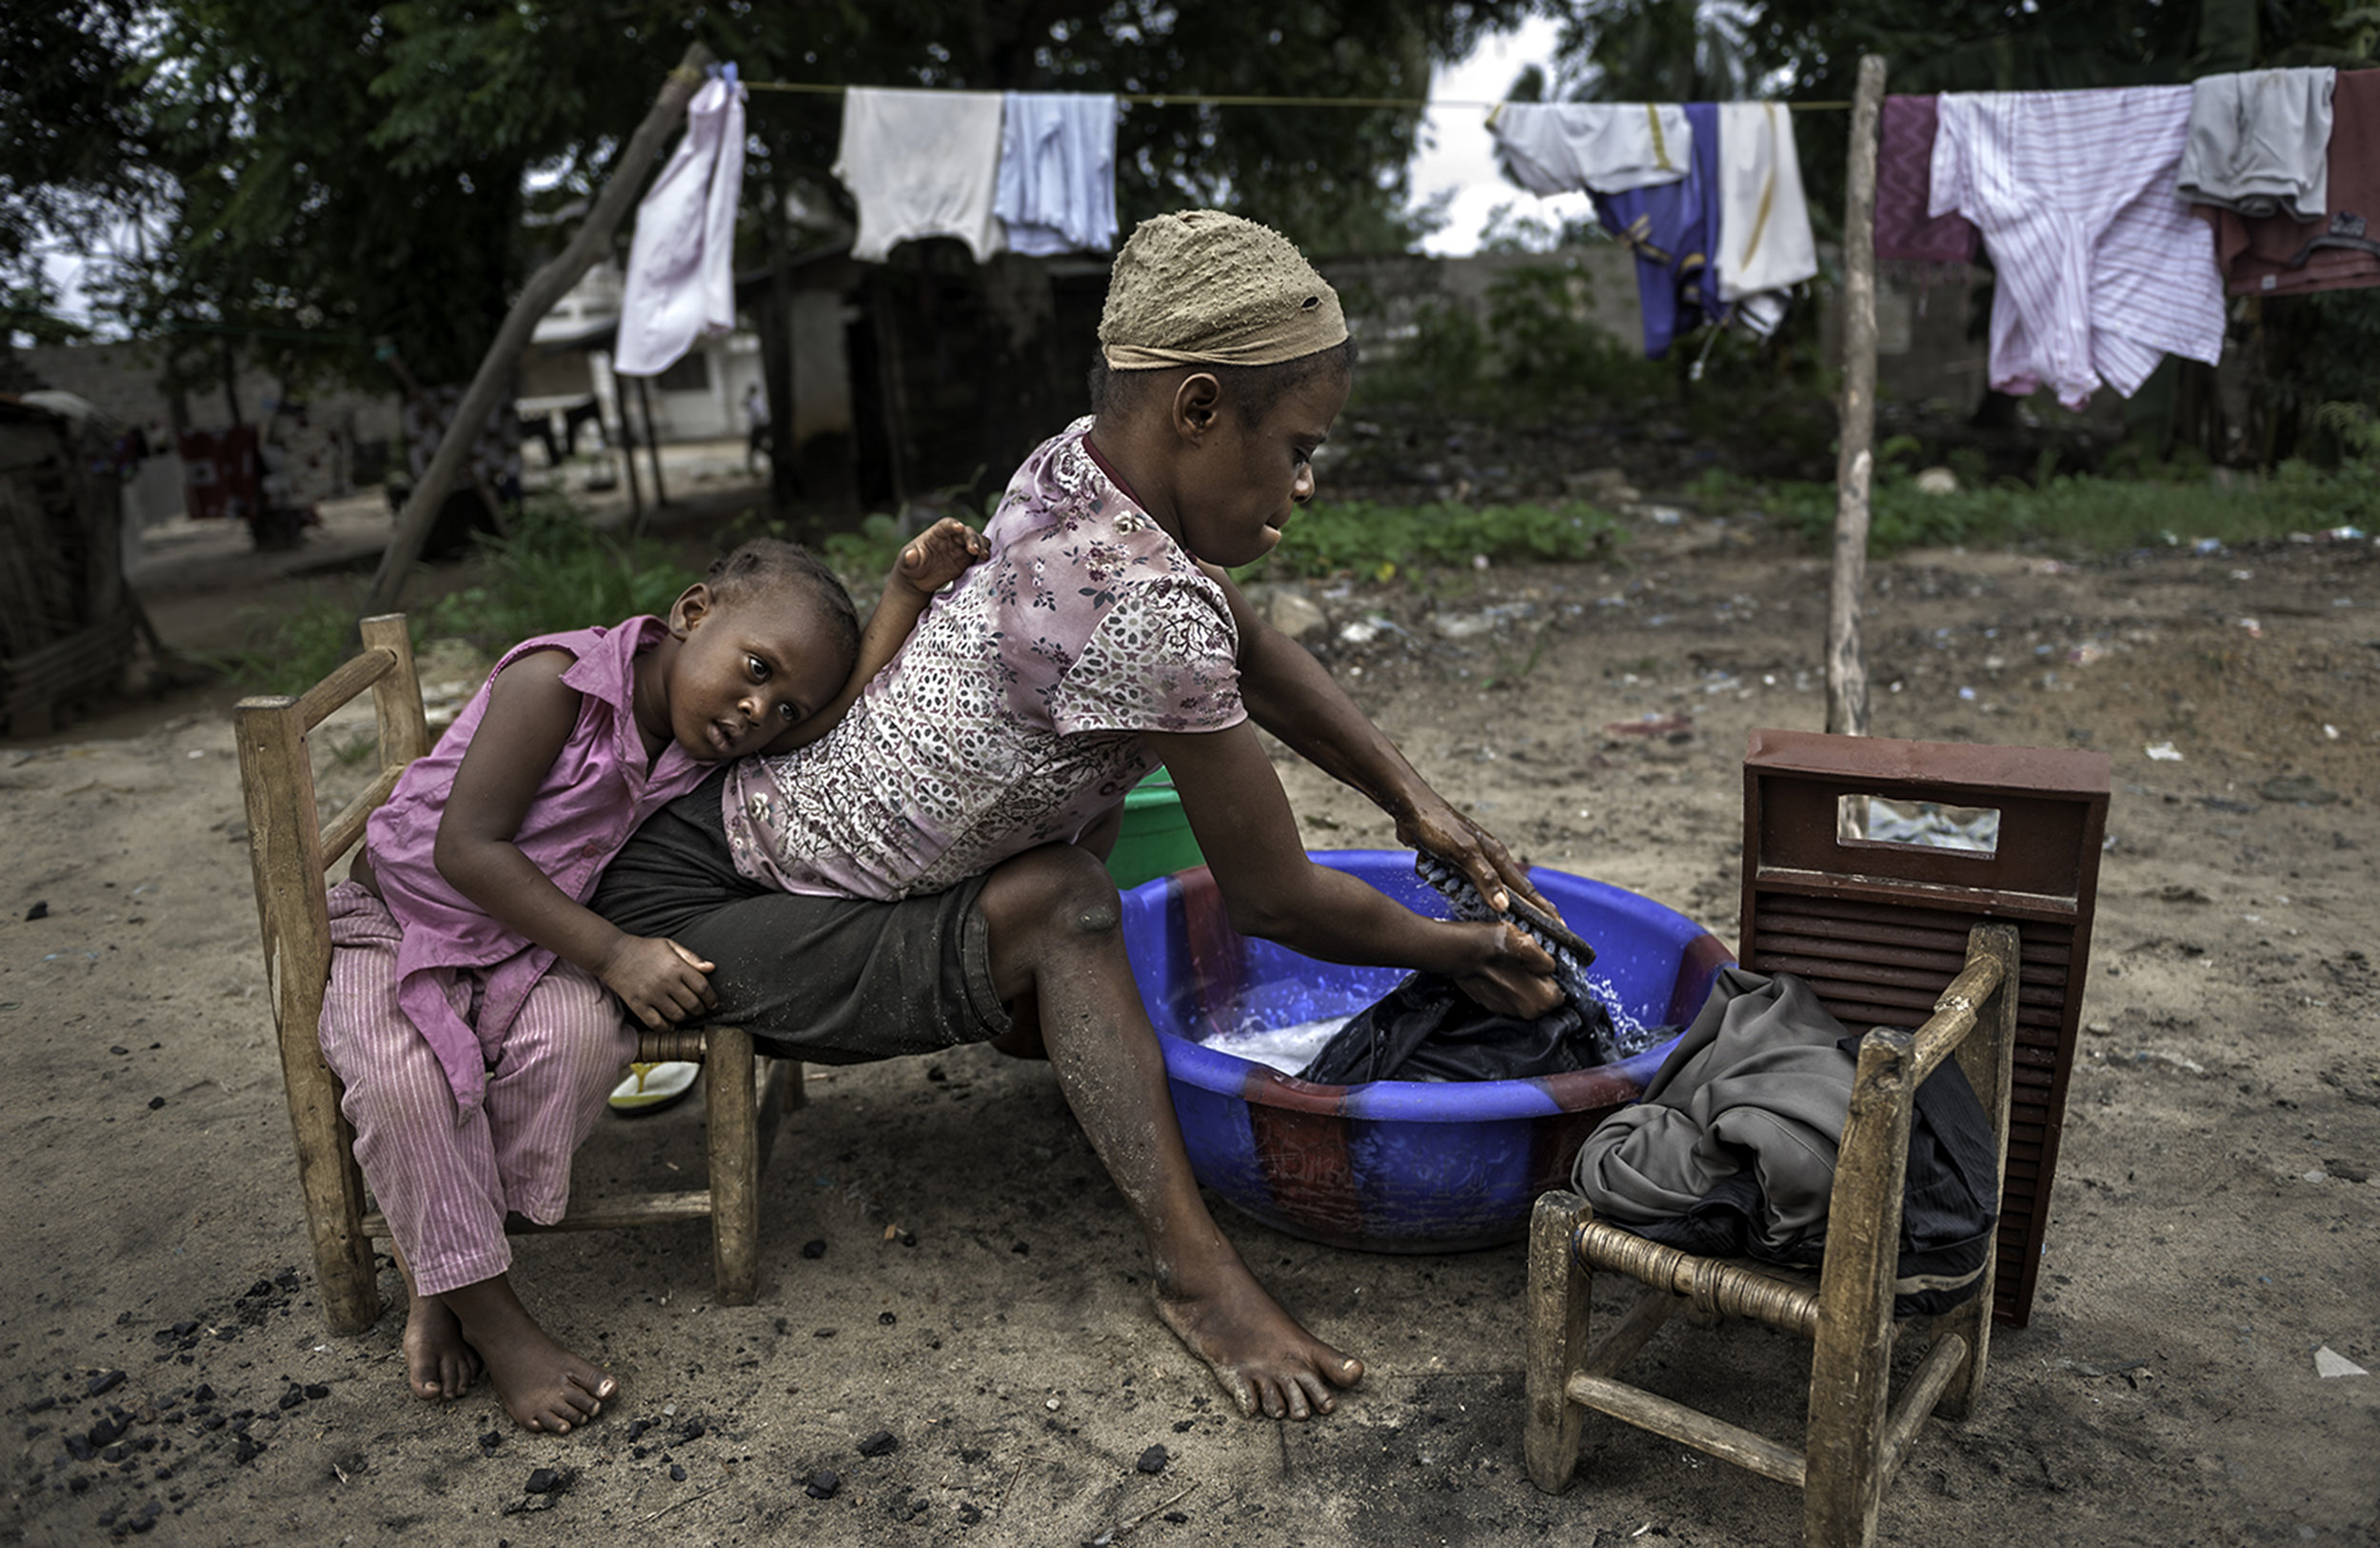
(1013, 717)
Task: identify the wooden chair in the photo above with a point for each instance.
(1873, 923)
(292, 850)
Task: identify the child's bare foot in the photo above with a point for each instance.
(1263, 1359)
(543, 1385)
(439, 1362)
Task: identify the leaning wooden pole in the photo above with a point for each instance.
(544, 289)
(1855, 468)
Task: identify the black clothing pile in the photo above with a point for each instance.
(1428, 1029)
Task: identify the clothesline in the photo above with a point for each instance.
(1162, 99)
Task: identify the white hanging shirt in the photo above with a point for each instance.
(682, 278)
(1057, 188)
(1764, 235)
(921, 164)
(1601, 146)
(2103, 270)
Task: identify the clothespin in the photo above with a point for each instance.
(1494, 113)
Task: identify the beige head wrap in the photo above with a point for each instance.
(1206, 289)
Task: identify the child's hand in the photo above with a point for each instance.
(660, 982)
(938, 555)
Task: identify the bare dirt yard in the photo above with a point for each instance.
(943, 1261)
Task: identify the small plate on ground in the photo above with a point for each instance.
(651, 1086)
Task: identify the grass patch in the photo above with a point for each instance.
(555, 573)
(2080, 513)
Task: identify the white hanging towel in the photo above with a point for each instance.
(2260, 142)
(1601, 147)
(682, 278)
(921, 164)
(1057, 185)
(1764, 221)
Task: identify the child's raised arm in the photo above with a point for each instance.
(928, 562)
(659, 980)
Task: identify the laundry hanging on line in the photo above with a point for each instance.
(681, 284)
(2280, 255)
(1905, 231)
(1056, 182)
(1708, 197)
(1031, 173)
(2102, 269)
(2259, 141)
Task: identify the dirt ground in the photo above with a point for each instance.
(943, 1261)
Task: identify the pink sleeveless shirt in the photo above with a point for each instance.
(598, 790)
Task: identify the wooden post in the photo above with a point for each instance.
(544, 289)
(652, 441)
(1846, 656)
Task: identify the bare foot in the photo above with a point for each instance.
(439, 1362)
(543, 1385)
(1258, 1351)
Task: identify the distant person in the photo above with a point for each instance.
(471, 1007)
(929, 872)
(755, 437)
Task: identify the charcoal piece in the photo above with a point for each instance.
(542, 1480)
(317, 1389)
(822, 1483)
(880, 1443)
(1153, 1460)
(103, 1382)
(676, 1473)
(815, 1247)
(39, 910)
(293, 1397)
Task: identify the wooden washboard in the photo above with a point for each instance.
(1878, 927)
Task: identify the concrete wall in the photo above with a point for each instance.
(318, 428)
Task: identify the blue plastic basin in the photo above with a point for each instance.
(1391, 1165)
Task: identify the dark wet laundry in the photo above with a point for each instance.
(1428, 1029)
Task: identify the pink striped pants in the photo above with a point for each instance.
(445, 1178)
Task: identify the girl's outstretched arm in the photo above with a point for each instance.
(928, 562)
(659, 980)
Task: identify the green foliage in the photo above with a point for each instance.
(1376, 541)
(2079, 513)
(297, 647)
(557, 572)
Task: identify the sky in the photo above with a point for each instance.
(1458, 152)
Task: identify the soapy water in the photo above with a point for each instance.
(1288, 1049)
(1292, 1047)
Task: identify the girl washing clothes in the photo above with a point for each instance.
(929, 872)
(474, 1008)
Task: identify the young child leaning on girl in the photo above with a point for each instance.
(471, 1007)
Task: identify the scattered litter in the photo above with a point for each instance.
(2345, 534)
(2302, 789)
(2330, 732)
(1676, 727)
(1968, 694)
(2255, 630)
(2162, 752)
(2084, 653)
(2204, 547)
(2330, 1363)
(198, 752)
(2243, 575)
